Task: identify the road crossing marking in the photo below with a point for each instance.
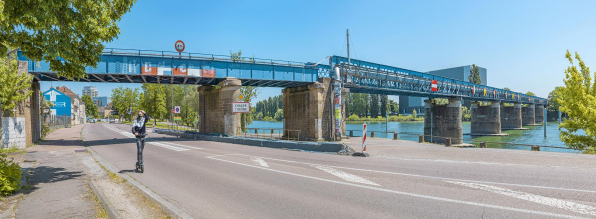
(477, 204)
(345, 176)
(259, 161)
(553, 202)
(163, 144)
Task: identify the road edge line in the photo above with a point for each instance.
(104, 201)
(165, 205)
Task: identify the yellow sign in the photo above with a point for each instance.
(512, 95)
(240, 97)
(484, 91)
(177, 118)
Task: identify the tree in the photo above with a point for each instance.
(578, 100)
(474, 76)
(154, 96)
(14, 86)
(69, 29)
(90, 107)
(530, 93)
(384, 105)
(123, 99)
(414, 114)
(279, 115)
(554, 105)
(374, 105)
(507, 89)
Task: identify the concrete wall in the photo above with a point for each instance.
(14, 132)
(511, 116)
(26, 115)
(528, 115)
(486, 119)
(308, 108)
(215, 111)
(539, 114)
(445, 121)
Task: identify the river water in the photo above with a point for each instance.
(533, 136)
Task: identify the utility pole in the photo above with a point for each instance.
(172, 112)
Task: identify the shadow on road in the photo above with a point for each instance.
(46, 174)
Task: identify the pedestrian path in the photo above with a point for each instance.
(163, 144)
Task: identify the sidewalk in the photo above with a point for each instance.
(58, 182)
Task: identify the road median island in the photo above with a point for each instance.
(329, 147)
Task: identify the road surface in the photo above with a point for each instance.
(219, 180)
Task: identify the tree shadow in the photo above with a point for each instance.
(46, 174)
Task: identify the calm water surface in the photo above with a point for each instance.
(535, 134)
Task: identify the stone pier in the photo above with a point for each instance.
(511, 117)
(539, 115)
(215, 110)
(443, 121)
(309, 108)
(486, 120)
(528, 115)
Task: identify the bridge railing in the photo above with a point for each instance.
(419, 84)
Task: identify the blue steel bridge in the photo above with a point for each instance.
(146, 66)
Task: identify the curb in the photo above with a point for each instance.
(165, 205)
(103, 200)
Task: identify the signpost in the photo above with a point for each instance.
(176, 109)
(179, 45)
(240, 107)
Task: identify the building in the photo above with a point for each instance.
(105, 111)
(100, 101)
(78, 115)
(91, 91)
(62, 102)
(408, 104)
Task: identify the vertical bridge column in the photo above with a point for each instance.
(215, 112)
(511, 117)
(344, 92)
(486, 120)
(528, 115)
(308, 108)
(539, 114)
(443, 121)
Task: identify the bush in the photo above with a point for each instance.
(353, 117)
(10, 176)
(279, 115)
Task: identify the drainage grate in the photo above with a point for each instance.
(80, 151)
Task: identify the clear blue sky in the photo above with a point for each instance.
(521, 43)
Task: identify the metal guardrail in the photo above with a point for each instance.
(281, 133)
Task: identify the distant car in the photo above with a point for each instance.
(112, 121)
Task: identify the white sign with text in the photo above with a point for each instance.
(240, 107)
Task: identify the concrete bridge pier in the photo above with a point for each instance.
(511, 117)
(486, 120)
(443, 121)
(309, 108)
(215, 112)
(528, 115)
(539, 114)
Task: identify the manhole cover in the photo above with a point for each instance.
(30, 161)
(80, 151)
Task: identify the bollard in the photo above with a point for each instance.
(395, 136)
(535, 148)
(482, 144)
(372, 134)
(351, 133)
(447, 142)
(420, 138)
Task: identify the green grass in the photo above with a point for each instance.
(11, 150)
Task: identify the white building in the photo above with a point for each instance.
(90, 90)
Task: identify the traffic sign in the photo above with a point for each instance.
(240, 107)
(179, 45)
(240, 96)
(172, 110)
(177, 109)
(433, 85)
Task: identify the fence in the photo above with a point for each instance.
(272, 133)
(56, 121)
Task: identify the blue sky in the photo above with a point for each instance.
(521, 43)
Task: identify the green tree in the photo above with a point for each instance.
(90, 107)
(507, 89)
(414, 114)
(384, 105)
(578, 100)
(530, 93)
(154, 100)
(279, 115)
(123, 99)
(474, 76)
(554, 104)
(374, 105)
(69, 29)
(14, 86)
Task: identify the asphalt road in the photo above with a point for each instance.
(219, 180)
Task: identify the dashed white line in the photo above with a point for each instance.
(553, 202)
(259, 161)
(167, 146)
(409, 194)
(345, 176)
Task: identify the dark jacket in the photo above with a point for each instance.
(138, 125)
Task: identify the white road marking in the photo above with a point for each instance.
(345, 176)
(410, 194)
(167, 146)
(178, 145)
(431, 177)
(259, 161)
(553, 202)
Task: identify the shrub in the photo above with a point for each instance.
(10, 176)
(353, 117)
